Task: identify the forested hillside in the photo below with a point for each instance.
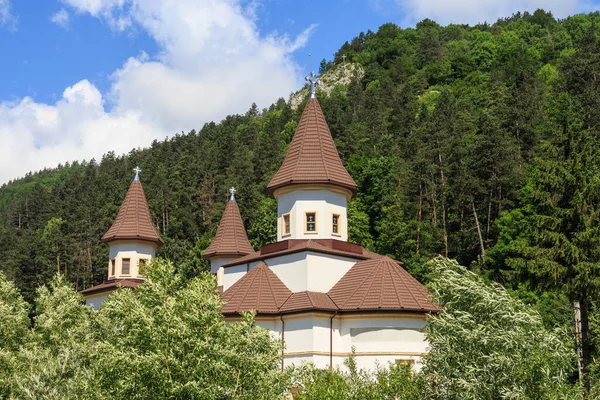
(478, 143)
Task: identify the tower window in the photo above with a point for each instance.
(125, 266)
(112, 267)
(311, 222)
(287, 229)
(142, 263)
(335, 224)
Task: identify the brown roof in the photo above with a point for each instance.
(260, 290)
(303, 301)
(231, 238)
(112, 284)
(327, 246)
(133, 220)
(380, 284)
(312, 156)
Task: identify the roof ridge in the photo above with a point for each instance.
(372, 279)
(253, 276)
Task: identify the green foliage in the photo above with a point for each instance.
(485, 344)
(350, 383)
(165, 340)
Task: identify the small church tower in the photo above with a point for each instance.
(132, 240)
(230, 241)
(312, 187)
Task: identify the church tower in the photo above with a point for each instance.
(230, 241)
(312, 187)
(132, 240)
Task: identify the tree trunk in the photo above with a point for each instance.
(419, 217)
(478, 228)
(582, 339)
(489, 216)
(445, 233)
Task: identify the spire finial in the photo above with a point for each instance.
(312, 78)
(137, 171)
(232, 191)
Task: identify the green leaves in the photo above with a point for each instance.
(165, 340)
(487, 345)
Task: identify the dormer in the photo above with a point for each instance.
(132, 238)
(312, 187)
(230, 241)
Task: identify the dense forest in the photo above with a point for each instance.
(479, 143)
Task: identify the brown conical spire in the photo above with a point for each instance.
(312, 157)
(231, 238)
(133, 220)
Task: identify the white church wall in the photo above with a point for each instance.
(129, 249)
(216, 267)
(291, 269)
(377, 338)
(325, 270)
(95, 300)
(323, 202)
(232, 275)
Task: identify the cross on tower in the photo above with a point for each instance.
(232, 191)
(344, 58)
(312, 78)
(137, 171)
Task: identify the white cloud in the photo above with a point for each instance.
(35, 135)
(212, 62)
(6, 17)
(61, 18)
(474, 11)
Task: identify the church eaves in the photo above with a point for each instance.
(231, 238)
(133, 220)
(312, 157)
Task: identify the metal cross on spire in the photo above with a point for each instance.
(137, 171)
(232, 191)
(312, 78)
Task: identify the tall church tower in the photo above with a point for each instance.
(132, 240)
(312, 187)
(230, 241)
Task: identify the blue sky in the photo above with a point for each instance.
(82, 77)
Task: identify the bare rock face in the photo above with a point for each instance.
(340, 74)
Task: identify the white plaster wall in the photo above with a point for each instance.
(375, 339)
(325, 270)
(324, 202)
(216, 267)
(396, 335)
(132, 249)
(96, 300)
(232, 275)
(291, 269)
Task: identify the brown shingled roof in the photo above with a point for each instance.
(307, 300)
(133, 220)
(112, 284)
(312, 156)
(380, 284)
(231, 238)
(260, 290)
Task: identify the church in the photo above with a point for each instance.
(322, 295)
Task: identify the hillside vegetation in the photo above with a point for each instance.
(475, 142)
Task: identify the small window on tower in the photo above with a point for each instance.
(112, 267)
(335, 224)
(142, 263)
(311, 222)
(125, 267)
(286, 224)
